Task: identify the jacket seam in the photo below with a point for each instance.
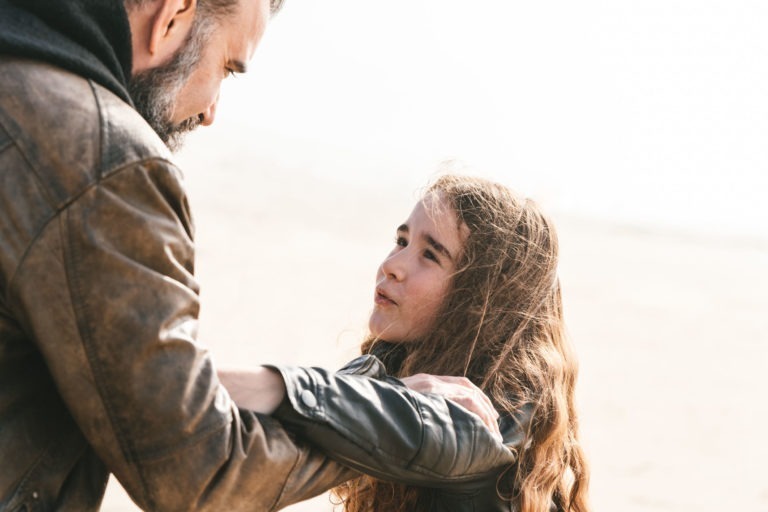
(421, 437)
(58, 211)
(13, 140)
(75, 293)
(70, 257)
(80, 318)
(101, 176)
(285, 483)
(21, 489)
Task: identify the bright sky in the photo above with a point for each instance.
(648, 111)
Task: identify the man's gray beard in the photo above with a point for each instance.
(155, 91)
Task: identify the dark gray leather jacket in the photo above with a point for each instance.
(100, 370)
(410, 440)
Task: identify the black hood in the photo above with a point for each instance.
(89, 37)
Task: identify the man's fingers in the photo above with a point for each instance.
(486, 414)
(487, 400)
(463, 381)
(460, 390)
(430, 385)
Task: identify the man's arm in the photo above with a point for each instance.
(106, 292)
(260, 390)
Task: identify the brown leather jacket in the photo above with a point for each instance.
(100, 370)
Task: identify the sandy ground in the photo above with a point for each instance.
(671, 329)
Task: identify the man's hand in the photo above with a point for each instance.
(459, 390)
(260, 390)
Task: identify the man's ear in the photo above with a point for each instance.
(158, 29)
(170, 26)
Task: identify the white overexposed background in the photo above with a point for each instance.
(652, 112)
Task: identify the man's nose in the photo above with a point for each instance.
(209, 114)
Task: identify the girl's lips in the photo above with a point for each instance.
(382, 299)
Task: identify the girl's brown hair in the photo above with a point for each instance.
(501, 325)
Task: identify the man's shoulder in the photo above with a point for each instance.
(71, 131)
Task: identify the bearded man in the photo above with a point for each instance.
(100, 370)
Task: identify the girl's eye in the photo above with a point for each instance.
(431, 256)
(401, 241)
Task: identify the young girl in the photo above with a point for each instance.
(471, 289)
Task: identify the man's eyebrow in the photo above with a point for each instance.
(238, 66)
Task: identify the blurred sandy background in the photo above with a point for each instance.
(640, 126)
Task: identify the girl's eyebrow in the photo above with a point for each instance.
(438, 246)
(403, 228)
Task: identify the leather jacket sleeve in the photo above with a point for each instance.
(106, 292)
(388, 431)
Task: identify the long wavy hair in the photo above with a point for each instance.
(501, 326)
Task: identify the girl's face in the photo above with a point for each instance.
(414, 279)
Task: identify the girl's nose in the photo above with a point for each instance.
(393, 267)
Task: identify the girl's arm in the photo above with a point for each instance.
(374, 424)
